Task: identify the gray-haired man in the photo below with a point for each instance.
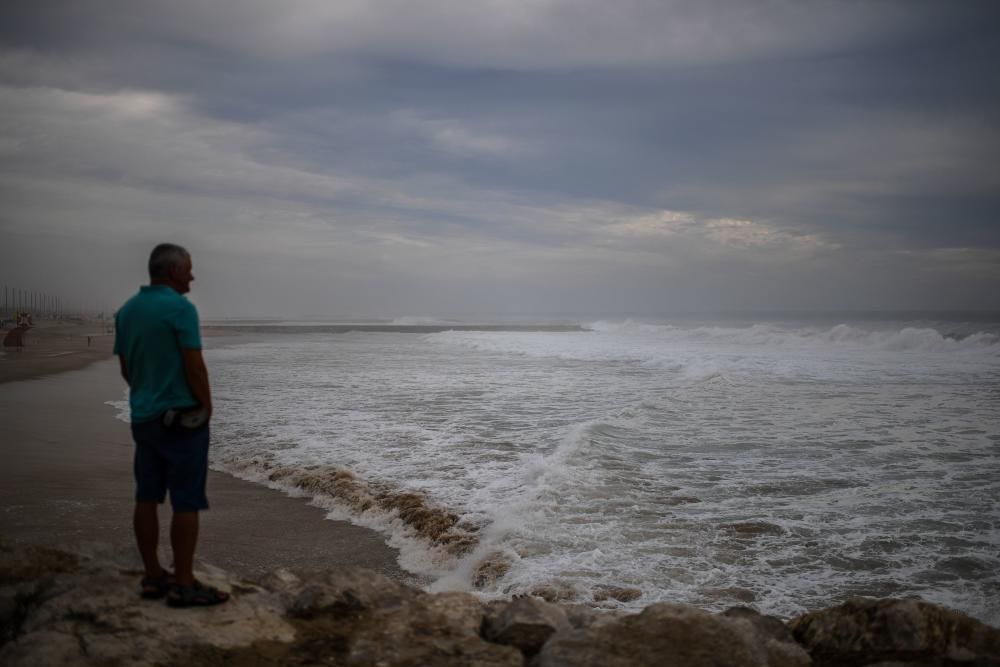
(158, 342)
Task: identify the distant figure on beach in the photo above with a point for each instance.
(15, 338)
(158, 343)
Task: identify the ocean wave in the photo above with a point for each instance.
(122, 406)
(913, 338)
(596, 481)
(380, 503)
(924, 339)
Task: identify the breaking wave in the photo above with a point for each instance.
(402, 513)
(923, 339)
(773, 464)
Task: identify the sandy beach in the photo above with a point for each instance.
(54, 347)
(67, 477)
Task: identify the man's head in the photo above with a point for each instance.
(170, 265)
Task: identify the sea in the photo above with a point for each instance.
(780, 462)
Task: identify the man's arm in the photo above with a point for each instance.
(197, 377)
(124, 369)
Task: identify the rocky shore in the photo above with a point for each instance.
(60, 608)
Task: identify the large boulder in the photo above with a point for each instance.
(526, 623)
(866, 632)
(358, 617)
(670, 634)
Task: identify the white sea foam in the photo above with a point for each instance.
(785, 466)
(122, 406)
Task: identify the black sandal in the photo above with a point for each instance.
(196, 595)
(154, 588)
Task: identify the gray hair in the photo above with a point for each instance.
(165, 257)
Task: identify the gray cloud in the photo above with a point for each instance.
(496, 34)
(340, 159)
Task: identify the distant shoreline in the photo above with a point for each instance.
(55, 347)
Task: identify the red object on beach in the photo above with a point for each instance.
(15, 337)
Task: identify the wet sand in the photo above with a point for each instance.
(54, 347)
(67, 480)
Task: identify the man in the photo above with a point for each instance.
(158, 343)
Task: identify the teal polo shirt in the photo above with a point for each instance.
(150, 331)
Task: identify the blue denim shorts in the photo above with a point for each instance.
(171, 459)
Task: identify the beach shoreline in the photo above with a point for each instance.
(55, 346)
(67, 480)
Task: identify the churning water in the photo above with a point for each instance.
(782, 466)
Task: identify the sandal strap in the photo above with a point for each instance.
(198, 594)
(156, 587)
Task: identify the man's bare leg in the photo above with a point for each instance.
(146, 523)
(183, 538)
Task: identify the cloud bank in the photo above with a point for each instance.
(359, 159)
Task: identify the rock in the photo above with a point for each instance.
(620, 593)
(771, 633)
(868, 632)
(32, 563)
(668, 634)
(583, 616)
(339, 593)
(428, 630)
(525, 623)
(554, 591)
(62, 609)
(92, 615)
(358, 617)
(492, 568)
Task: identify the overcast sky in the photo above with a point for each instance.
(356, 158)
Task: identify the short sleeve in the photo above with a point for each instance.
(188, 330)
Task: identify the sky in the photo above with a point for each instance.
(343, 159)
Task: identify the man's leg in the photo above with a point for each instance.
(183, 539)
(150, 491)
(146, 523)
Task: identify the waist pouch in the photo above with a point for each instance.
(190, 419)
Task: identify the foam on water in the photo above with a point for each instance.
(782, 467)
(122, 406)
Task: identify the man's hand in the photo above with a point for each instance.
(197, 378)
